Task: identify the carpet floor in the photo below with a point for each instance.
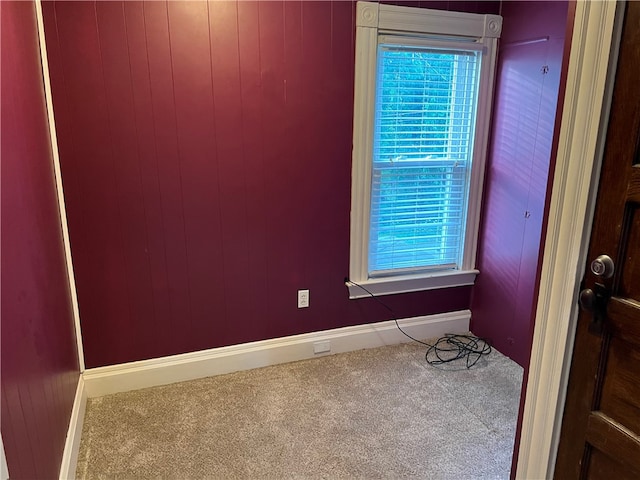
(376, 413)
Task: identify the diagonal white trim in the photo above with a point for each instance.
(189, 366)
(72, 444)
(58, 178)
(565, 242)
(4, 470)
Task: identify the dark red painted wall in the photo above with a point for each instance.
(39, 366)
(525, 128)
(206, 159)
(471, 6)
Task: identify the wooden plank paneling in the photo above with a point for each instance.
(19, 442)
(38, 350)
(325, 213)
(125, 184)
(102, 246)
(229, 151)
(506, 198)
(191, 66)
(253, 146)
(273, 90)
(148, 174)
(176, 338)
(208, 147)
(520, 160)
(275, 86)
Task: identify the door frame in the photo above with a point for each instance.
(591, 71)
(586, 105)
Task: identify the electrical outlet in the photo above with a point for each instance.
(303, 298)
(322, 347)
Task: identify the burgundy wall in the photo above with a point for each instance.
(38, 352)
(471, 6)
(206, 159)
(525, 128)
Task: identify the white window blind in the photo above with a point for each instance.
(425, 110)
(423, 90)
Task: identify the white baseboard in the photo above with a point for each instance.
(189, 366)
(72, 444)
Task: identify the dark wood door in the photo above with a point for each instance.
(600, 435)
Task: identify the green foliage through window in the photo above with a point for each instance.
(423, 135)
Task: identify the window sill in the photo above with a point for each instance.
(412, 283)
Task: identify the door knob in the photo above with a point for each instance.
(603, 266)
(595, 302)
(588, 300)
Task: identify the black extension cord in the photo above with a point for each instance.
(446, 349)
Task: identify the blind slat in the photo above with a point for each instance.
(423, 137)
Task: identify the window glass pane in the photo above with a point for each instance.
(423, 141)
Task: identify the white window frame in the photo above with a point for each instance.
(373, 20)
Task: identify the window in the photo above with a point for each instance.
(423, 88)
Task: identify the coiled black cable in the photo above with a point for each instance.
(447, 349)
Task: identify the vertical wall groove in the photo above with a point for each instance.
(227, 128)
(520, 164)
(39, 352)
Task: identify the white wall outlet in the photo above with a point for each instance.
(303, 298)
(322, 347)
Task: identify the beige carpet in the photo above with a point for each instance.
(378, 413)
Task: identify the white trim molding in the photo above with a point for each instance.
(58, 179)
(436, 22)
(189, 366)
(4, 470)
(567, 229)
(74, 434)
(411, 283)
(380, 23)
